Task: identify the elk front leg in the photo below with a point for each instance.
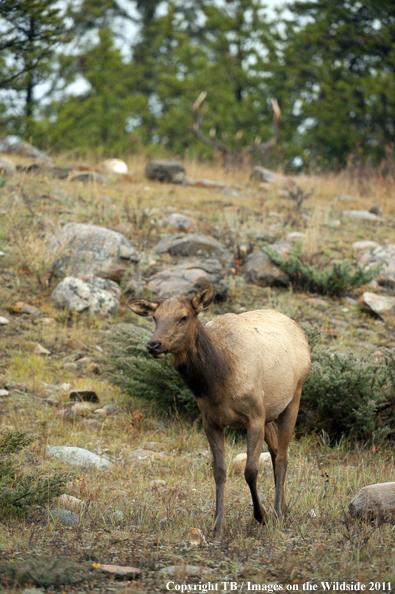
(255, 438)
(216, 439)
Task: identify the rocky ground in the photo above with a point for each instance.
(71, 255)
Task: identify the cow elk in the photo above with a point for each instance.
(245, 370)
(233, 159)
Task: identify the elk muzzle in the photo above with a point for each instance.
(154, 349)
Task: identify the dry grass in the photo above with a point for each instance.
(317, 540)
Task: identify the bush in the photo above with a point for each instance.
(331, 280)
(19, 492)
(350, 394)
(132, 369)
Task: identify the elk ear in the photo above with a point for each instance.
(203, 297)
(143, 307)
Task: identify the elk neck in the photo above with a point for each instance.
(203, 366)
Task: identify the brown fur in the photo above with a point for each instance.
(245, 371)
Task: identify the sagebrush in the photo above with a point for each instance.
(331, 280)
(19, 492)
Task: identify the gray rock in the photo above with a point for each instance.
(260, 270)
(166, 171)
(377, 210)
(359, 246)
(384, 255)
(7, 167)
(24, 149)
(271, 178)
(89, 249)
(4, 321)
(187, 277)
(374, 500)
(193, 244)
(118, 516)
(158, 483)
(296, 236)
(381, 305)
(91, 294)
(33, 591)
(3, 392)
(346, 198)
(79, 457)
(363, 215)
(62, 516)
(61, 172)
(177, 222)
(87, 176)
(111, 407)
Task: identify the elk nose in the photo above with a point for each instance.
(153, 347)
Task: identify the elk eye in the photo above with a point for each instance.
(183, 319)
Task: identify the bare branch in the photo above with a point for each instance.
(261, 146)
(197, 121)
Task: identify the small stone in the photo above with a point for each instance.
(4, 321)
(102, 412)
(40, 350)
(177, 222)
(377, 210)
(119, 571)
(363, 215)
(158, 483)
(89, 422)
(47, 321)
(3, 392)
(87, 176)
(75, 345)
(166, 171)
(111, 408)
(69, 502)
(62, 516)
(83, 408)
(114, 166)
(79, 457)
(374, 500)
(70, 366)
(84, 396)
(296, 236)
(118, 516)
(260, 270)
(239, 461)
(26, 308)
(152, 445)
(359, 246)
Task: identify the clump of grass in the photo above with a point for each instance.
(139, 375)
(350, 394)
(332, 280)
(20, 492)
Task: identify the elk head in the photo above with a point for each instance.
(233, 159)
(175, 320)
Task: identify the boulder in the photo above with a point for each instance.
(260, 174)
(384, 255)
(24, 149)
(114, 166)
(7, 167)
(374, 500)
(187, 277)
(171, 172)
(381, 305)
(189, 245)
(177, 222)
(363, 215)
(91, 294)
(61, 172)
(260, 270)
(89, 249)
(79, 457)
(62, 516)
(206, 183)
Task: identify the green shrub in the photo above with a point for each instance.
(18, 491)
(132, 369)
(331, 280)
(350, 394)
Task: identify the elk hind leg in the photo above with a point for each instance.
(286, 426)
(255, 438)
